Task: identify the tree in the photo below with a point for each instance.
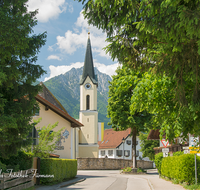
(163, 35)
(147, 146)
(120, 92)
(156, 95)
(18, 72)
(47, 141)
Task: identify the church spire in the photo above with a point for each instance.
(88, 69)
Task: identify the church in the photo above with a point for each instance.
(88, 115)
(79, 137)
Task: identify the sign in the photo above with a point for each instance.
(164, 142)
(186, 151)
(165, 150)
(194, 150)
(193, 141)
(165, 154)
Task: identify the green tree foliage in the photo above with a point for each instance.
(162, 32)
(120, 92)
(47, 141)
(163, 35)
(156, 95)
(18, 71)
(147, 146)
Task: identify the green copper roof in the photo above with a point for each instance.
(88, 69)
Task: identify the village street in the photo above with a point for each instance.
(113, 180)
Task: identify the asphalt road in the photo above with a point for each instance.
(113, 180)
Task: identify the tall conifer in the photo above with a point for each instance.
(18, 71)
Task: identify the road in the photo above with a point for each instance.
(113, 180)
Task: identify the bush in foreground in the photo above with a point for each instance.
(61, 169)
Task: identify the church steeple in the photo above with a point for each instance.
(88, 69)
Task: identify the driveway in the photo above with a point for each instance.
(113, 180)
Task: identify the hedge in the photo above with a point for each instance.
(61, 169)
(181, 168)
(158, 161)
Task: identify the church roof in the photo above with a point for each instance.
(88, 69)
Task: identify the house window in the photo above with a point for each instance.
(128, 142)
(119, 153)
(36, 111)
(110, 152)
(102, 152)
(87, 102)
(136, 142)
(137, 153)
(127, 153)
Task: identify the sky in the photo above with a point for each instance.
(67, 34)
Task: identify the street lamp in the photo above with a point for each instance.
(123, 140)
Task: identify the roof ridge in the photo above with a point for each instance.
(54, 97)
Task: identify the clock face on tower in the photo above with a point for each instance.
(87, 85)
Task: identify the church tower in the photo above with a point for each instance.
(88, 115)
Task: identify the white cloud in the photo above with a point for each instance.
(78, 39)
(107, 69)
(48, 9)
(53, 57)
(50, 48)
(55, 71)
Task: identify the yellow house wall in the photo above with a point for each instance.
(93, 95)
(50, 117)
(88, 151)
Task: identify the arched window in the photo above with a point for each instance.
(87, 102)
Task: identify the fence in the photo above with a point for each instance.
(17, 180)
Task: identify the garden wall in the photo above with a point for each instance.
(110, 164)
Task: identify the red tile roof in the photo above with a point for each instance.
(154, 135)
(74, 122)
(113, 139)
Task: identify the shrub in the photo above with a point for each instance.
(158, 161)
(127, 169)
(61, 169)
(2, 167)
(180, 168)
(178, 153)
(22, 161)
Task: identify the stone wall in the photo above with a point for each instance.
(109, 164)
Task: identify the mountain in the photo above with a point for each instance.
(66, 89)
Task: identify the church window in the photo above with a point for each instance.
(88, 136)
(87, 119)
(87, 102)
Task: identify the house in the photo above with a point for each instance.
(118, 144)
(51, 111)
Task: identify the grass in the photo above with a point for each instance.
(185, 185)
(30, 188)
(192, 187)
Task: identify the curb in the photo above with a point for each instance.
(78, 181)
